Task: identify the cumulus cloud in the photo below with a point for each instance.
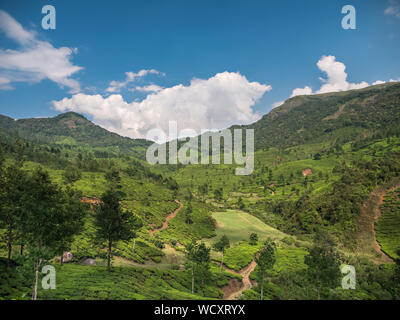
(336, 76)
(215, 103)
(378, 82)
(35, 60)
(393, 9)
(336, 79)
(301, 91)
(116, 86)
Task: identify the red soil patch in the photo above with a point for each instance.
(91, 201)
(234, 289)
(307, 172)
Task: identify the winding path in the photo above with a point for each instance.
(167, 218)
(234, 289)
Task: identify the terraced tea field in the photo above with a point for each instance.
(388, 226)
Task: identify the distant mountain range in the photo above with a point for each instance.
(337, 116)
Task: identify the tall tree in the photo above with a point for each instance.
(12, 186)
(323, 263)
(113, 223)
(188, 214)
(75, 210)
(265, 260)
(49, 216)
(198, 258)
(221, 246)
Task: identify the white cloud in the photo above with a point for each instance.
(301, 91)
(378, 82)
(277, 104)
(116, 86)
(5, 84)
(336, 79)
(336, 76)
(148, 88)
(215, 103)
(393, 9)
(36, 60)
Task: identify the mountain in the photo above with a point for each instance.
(72, 129)
(340, 116)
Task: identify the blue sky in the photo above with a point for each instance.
(274, 45)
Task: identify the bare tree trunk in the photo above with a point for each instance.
(222, 262)
(319, 294)
(9, 245)
(22, 249)
(109, 256)
(134, 244)
(262, 286)
(192, 278)
(62, 258)
(34, 295)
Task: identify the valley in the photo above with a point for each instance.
(324, 179)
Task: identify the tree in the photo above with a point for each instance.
(323, 263)
(203, 190)
(198, 257)
(71, 174)
(265, 260)
(75, 209)
(253, 238)
(221, 246)
(49, 216)
(317, 156)
(270, 176)
(113, 178)
(189, 195)
(188, 214)
(113, 223)
(13, 182)
(218, 193)
(240, 203)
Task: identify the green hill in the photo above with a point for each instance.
(338, 116)
(72, 129)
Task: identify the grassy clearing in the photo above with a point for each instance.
(238, 225)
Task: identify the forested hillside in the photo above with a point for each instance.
(340, 116)
(73, 130)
